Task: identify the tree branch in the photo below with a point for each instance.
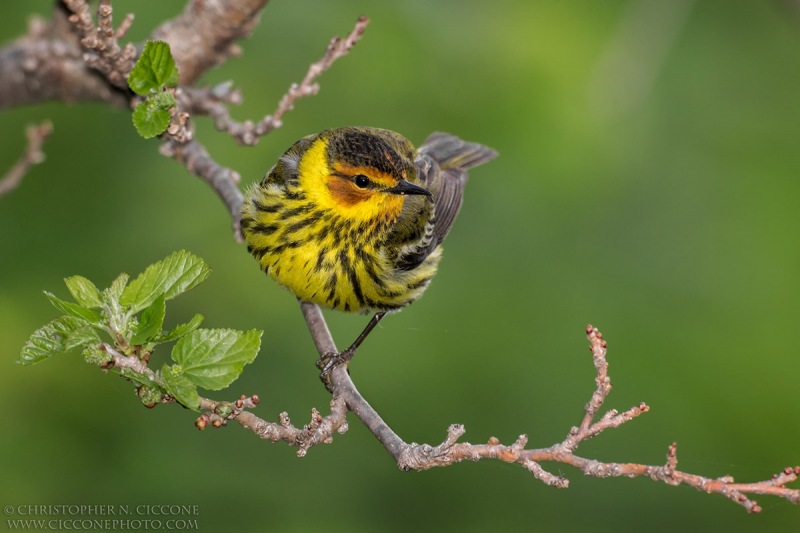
(343, 388)
(413, 456)
(48, 64)
(76, 59)
(319, 430)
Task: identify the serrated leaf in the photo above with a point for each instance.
(214, 358)
(74, 310)
(180, 386)
(154, 68)
(84, 291)
(149, 119)
(83, 336)
(181, 329)
(150, 321)
(175, 274)
(50, 339)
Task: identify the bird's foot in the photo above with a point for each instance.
(331, 360)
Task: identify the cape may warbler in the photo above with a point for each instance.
(353, 218)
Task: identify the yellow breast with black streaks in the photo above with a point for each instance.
(330, 225)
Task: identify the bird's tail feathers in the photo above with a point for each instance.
(451, 152)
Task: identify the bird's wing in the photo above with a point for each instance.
(442, 164)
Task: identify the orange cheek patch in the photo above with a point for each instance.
(345, 193)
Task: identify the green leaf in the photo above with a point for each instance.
(163, 100)
(214, 358)
(180, 386)
(154, 69)
(135, 377)
(83, 336)
(181, 329)
(74, 310)
(112, 294)
(84, 291)
(151, 117)
(50, 339)
(175, 274)
(150, 321)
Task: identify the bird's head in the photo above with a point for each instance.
(362, 174)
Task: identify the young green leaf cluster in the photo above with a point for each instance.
(131, 317)
(154, 70)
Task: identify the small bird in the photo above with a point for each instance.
(353, 218)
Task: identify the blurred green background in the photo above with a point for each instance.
(647, 184)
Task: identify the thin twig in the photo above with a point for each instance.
(319, 430)
(337, 48)
(103, 52)
(213, 101)
(33, 155)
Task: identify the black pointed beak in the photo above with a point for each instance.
(406, 187)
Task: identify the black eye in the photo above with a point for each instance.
(361, 181)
